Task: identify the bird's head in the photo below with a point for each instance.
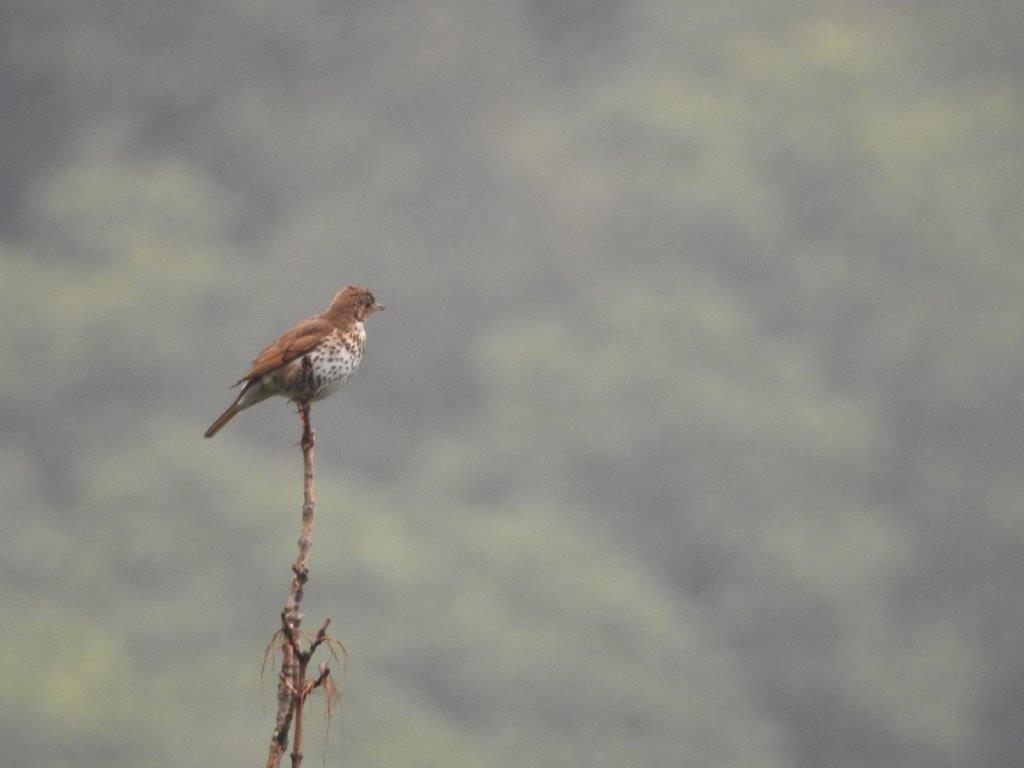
(354, 301)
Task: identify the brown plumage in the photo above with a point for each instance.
(292, 343)
(310, 360)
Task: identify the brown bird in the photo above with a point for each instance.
(311, 360)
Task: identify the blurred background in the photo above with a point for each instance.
(691, 435)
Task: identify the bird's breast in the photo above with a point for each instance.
(333, 362)
(320, 371)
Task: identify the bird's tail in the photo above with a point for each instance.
(225, 417)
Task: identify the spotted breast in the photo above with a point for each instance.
(335, 360)
(327, 366)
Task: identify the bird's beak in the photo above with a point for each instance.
(377, 307)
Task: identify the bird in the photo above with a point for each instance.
(310, 360)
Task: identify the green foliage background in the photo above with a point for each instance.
(691, 435)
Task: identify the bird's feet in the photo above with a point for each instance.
(308, 433)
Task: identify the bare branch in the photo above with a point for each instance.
(293, 687)
(292, 662)
(268, 653)
(290, 634)
(314, 684)
(287, 683)
(321, 635)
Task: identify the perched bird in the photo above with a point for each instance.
(310, 360)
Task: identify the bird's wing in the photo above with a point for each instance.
(293, 343)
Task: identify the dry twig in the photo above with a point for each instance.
(293, 688)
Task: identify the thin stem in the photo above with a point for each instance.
(290, 687)
(300, 700)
